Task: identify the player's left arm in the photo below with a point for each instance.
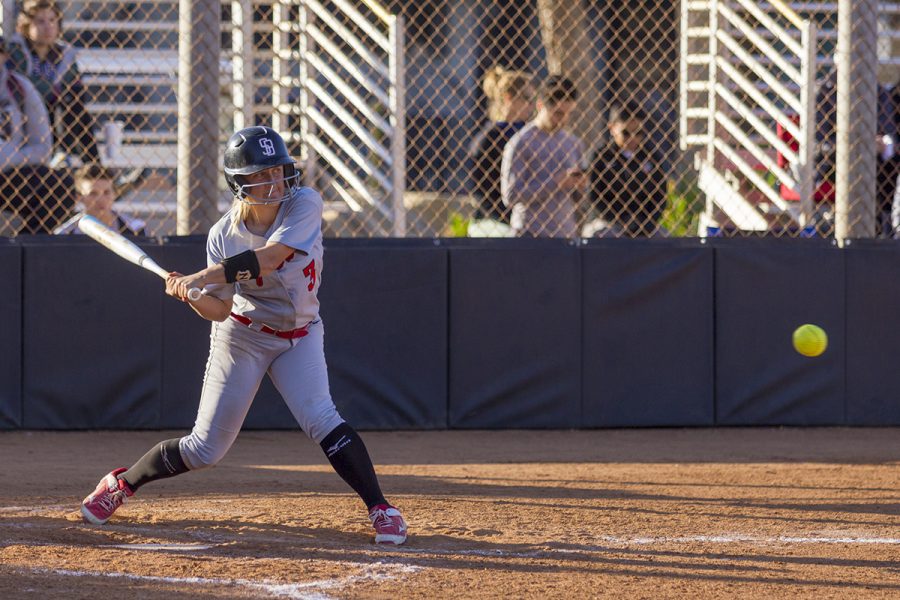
(272, 255)
(240, 267)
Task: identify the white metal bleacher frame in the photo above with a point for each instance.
(714, 118)
(379, 47)
(134, 67)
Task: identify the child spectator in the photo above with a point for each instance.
(541, 171)
(511, 96)
(95, 185)
(628, 184)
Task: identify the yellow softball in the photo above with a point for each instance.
(810, 340)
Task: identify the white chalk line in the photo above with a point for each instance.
(727, 538)
(38, 509)
(385, 571)
(209, 541)
(158, 547)
(548, 548)
(308, 590)
(544, 550)
(743, 539)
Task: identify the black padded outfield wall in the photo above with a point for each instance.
(873, 333)
(10, 335)
(515, 335)
(385, 316)
(91, 348)
(647, 329)
(477, 334)
(764, 290)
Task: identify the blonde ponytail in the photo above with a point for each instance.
(500, 83)
(239, 212)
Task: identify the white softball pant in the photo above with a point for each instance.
(239, 357)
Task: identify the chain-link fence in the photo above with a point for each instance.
(433, 118)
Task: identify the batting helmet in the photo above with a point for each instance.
(255, 149)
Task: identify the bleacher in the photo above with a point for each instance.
(128, 58)
(128, 55)
(146, 80)
(137, 89)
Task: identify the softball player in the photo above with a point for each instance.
(264, 263)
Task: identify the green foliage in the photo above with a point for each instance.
(458, 226)
(685, 203)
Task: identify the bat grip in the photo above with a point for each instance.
(194, 294)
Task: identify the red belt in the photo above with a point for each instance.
(288, 335)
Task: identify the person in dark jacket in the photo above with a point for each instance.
(37, 52)
(33, 197)
(627, 180)
(511, 95)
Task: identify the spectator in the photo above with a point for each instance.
(95, 185)
(34, 196)
(541, 170)
(38, 52)
(628, 183)
(511, 96)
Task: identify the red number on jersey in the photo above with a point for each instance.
(310, 271)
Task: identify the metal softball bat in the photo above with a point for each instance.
(115, 241)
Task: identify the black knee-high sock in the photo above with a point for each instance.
(161, 461)
(348, 455)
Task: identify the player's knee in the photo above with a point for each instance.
(322, 422)
(200, 454)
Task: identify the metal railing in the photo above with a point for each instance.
(352, 106)
(747, 100)
(793, 50)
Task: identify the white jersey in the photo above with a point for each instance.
(286, 299)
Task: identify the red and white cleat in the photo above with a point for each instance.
(109, 495)
(390, 528)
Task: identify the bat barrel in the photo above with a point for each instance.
(128, 250)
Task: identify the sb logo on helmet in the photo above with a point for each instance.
(268, 148)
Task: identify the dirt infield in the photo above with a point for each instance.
(719, 513)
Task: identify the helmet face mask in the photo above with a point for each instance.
(256, 193)
(255, 149)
